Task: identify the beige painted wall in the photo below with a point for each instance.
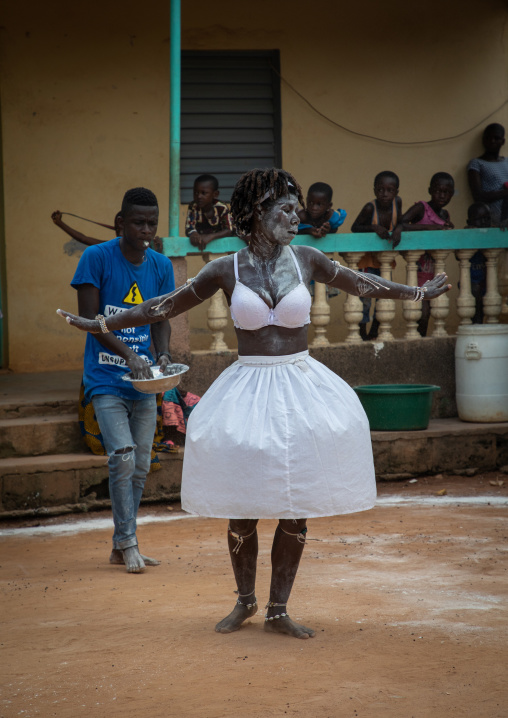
(85, 112)
(384, 70)
(84, 99)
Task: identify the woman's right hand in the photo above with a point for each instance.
(86, 325)
(436, 286)
(56, 216)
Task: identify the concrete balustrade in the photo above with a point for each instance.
(465, 300)
(217, 315)
(320, 315)
(412, 311)
(385, 307)
(353, 308)
(492, 300)
(444, 246)
(440, 306)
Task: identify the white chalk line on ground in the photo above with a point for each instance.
(73, 527)
(79, 526)
(442, 501)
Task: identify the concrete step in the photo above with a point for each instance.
(78, 479)
(36, 435)
(447, 445)
(23, 408)
(44, 394)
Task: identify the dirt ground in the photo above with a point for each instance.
(409, 604)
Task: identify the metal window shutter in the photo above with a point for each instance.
(231, 117)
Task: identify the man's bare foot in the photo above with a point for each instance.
(238, 615)
(132, 559)
(288, 627)
(117, 558)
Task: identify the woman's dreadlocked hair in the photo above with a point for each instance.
(249, 191)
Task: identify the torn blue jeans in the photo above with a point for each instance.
(126, 424)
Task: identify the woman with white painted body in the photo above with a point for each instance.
(277, 435)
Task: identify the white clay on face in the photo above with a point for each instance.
(279, 221)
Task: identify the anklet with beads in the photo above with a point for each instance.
(271, 604)
(247, 605)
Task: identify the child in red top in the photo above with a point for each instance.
(428, 216)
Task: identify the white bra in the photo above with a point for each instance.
(249, 311)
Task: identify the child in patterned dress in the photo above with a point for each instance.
(207, 218)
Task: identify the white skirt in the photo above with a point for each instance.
(278, 437)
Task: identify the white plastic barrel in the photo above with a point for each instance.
(481, 372)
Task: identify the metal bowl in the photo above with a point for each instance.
(159, 382)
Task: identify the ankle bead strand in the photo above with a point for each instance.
(247, 605)
(271, 604)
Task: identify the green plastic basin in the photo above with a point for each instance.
(397, 407)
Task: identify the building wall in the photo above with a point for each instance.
(85, 113)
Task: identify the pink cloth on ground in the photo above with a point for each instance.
(172, 414)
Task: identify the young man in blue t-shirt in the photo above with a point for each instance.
(110, 278)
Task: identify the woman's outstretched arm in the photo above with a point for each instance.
(195, 291)
(362, 284)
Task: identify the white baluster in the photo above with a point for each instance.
(217, 320)
(440, 306)
(502, 277)
(353, 308)
(320, 315)
(411, 311)
(466, 303)
(385, 308)
(217, 317)
(492, 299)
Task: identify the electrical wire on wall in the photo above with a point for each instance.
(382, 139)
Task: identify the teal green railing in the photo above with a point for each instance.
(451, 239)
(174, 115)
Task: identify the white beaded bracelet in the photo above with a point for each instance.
(419, 293)
(102, 323)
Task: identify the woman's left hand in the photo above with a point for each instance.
(436, 286)
(86, 325)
